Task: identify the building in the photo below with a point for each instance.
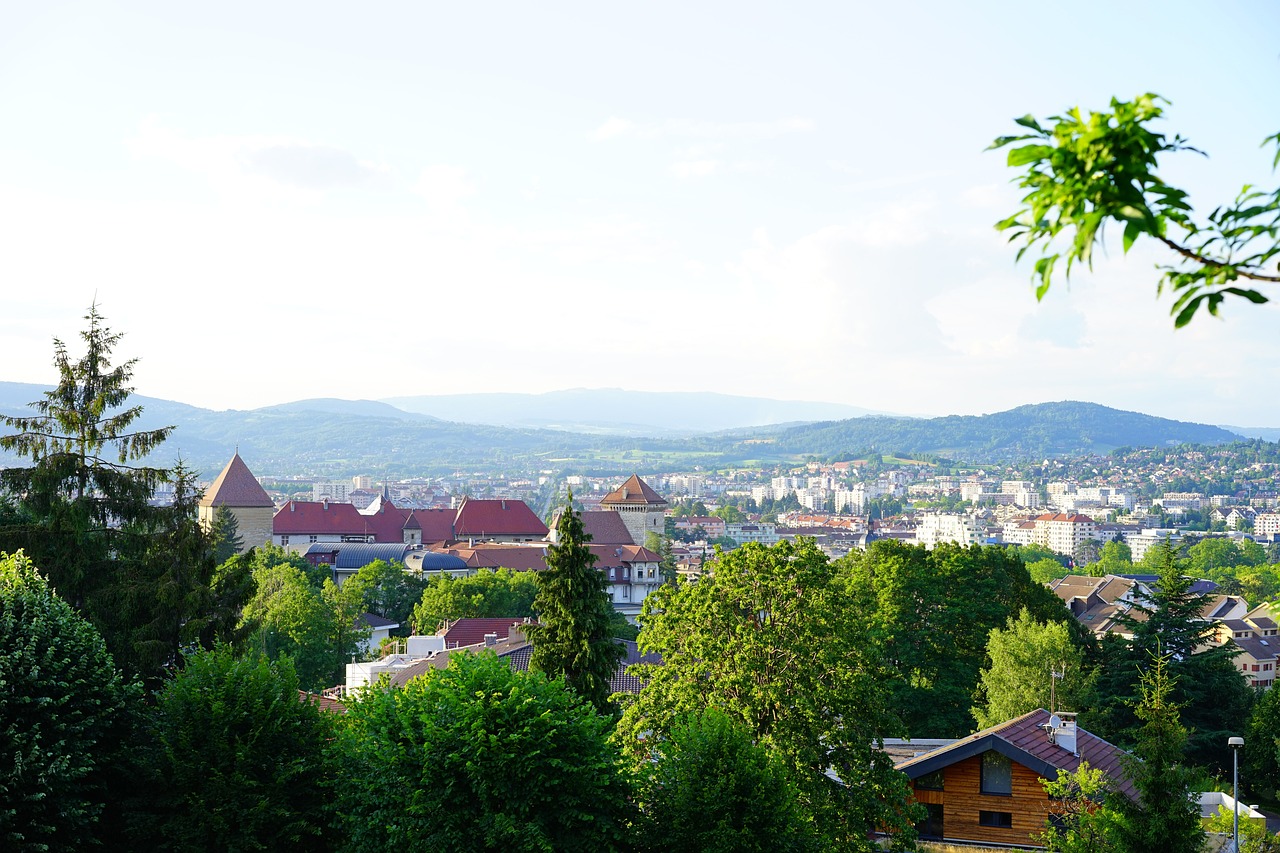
(238, 492)
(986, 788)
(643, 509)
(932, 528)
(1062, 533)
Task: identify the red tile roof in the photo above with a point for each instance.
(634, 491)
(468, 632)
(300, 518)
(607, 528)
(236, 487)
(486, 518)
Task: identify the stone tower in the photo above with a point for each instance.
(642, 509)
(240, 493)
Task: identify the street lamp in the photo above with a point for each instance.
(1235, 743)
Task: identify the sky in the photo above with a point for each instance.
(278, 201)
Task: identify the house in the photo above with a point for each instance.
(1100, 604)
(300, 523)
(986, 788)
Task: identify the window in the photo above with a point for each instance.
(313, 538)
(1003, 820)
(930, 781)
(931, 826)
(284, 540)
(997, 774)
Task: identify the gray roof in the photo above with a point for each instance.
(354, 556)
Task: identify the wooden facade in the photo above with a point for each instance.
(963, 803)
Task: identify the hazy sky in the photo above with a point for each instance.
(276, 201)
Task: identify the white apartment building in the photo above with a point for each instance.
(1062, 532)
(933, 528)
(760, 494)
(1266, 523)
(1181, 500)
(336, 491)
(814, 499)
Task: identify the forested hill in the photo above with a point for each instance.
(1027, 432)
(340, 438)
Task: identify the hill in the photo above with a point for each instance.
(338, 438)
(1034, 431)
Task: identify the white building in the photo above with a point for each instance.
(933, 528)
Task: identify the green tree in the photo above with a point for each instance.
(660, 544)
(1085, 823)
(1087, 170)
(1027, 657)
(770, 639)
(708, 786)
(236, 761)
(572, 637)
(488, 593)
(932, 612)
(227, 541)
(66, 713)
(1116, 558)
(1260, 761)
(1163, 818)
(1254, 837)
(389, 591)
(315, 628)
(478, 757)
(1213, 553)
(82, 485)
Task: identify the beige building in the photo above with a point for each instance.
(238, 492)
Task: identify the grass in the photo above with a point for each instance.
(938, 847)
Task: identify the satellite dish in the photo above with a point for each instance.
(1055, 721)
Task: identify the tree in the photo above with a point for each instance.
(1260, 761)
(1027, 657)
(81, 486)
(236, 761)
(1084, 824)
(478, 757)
(389, 591)
(708, 786)
(1163, 818)
(66, 715)
(572, 637)
(932, 612)
(496, 593)
(770, 638)
(660, 544)
(1254, 836)
(1116, 558)
(1087, 170)
(316, 628)
(226, 535)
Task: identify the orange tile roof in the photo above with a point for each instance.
(236, 487)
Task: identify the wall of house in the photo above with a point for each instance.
(962, 800)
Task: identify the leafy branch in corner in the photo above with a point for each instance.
(1087, 169)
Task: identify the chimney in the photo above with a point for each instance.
(1061, 730)
(491, 639)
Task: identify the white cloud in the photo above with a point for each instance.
(256, 164)
(694, 168)
(614, 128)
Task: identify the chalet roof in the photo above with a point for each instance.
(1023, 739)
(236, 487)
(376, 622)
(483, 518)
(634, 492)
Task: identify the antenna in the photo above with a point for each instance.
(1054, 676)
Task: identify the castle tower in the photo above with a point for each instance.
(240, 493)
(642, 509)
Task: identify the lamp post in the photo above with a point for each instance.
(1235, 743)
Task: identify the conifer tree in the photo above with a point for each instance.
(81, 485)
(572, 638)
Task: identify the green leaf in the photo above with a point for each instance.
(1252, 295)
(1131, 232)
(1029, 154)
(1029, 121)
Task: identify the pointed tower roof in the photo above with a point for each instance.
(634, 492)
(236, 487)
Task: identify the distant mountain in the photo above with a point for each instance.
(1035, 431)
(613, 411)
(339, 438)
(1264, 433)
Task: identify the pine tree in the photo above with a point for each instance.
(572, 638)
(80, 487)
